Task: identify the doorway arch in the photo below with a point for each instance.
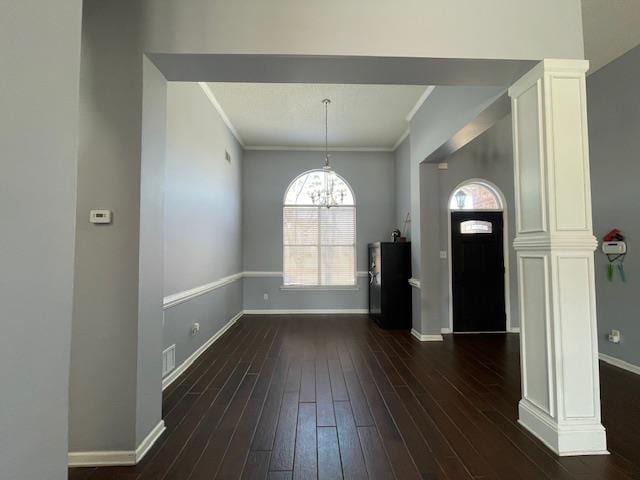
(479, 195)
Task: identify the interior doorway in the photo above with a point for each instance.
(478, 260)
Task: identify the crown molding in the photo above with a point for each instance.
(423, 98)
(400, 139)
(214, 101)
(289, 148)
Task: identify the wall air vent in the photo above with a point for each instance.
(168, 360)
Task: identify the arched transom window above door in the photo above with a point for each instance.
(319, 242)
(475, 195)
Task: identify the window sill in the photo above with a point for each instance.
(319, 288)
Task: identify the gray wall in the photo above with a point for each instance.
(105, 357)
(202, 218)
(150, 285)
(614, 126)
(39, 61)
(104, 353)
(490, 157)
(444, 113)
(429, 28)
(403, 185)
(266, 175)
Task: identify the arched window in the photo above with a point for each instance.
(475, 195)
(319, 242)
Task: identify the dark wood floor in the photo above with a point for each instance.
(333, 397)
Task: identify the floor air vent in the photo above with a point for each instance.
(168, 360)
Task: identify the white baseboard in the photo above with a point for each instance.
(117, 457)
(568, 440)
(514, 330)
(426, 338)
(180, 369)
(445, 330)
(149, 440)
(308, 311)
(616, 362)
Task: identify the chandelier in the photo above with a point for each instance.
(326, 190)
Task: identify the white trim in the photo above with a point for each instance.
(302, 148)
(445, 330)
(319, 288)
(616, 362)
(309, 311)
(214, 101)
(565, 441)
(117, 457)
(401, 139)
(505, 247)
(256, 274)
(180, 369)
(181, 297)
(414, 282)
(490, 332)
(426, 338)
(514, 330)
(149, 440)
(423, 98)
(102, 458)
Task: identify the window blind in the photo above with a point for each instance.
(319, 245)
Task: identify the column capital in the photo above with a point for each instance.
(549, 66)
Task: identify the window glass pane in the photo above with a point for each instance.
(475, 226)
(337, 226)
(306, 189)
(301, 226)
(300, 265)
(337, 265)
(474, 196)
(319, 242)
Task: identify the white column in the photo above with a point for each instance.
(554, 244)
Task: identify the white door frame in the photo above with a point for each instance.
(505, 250)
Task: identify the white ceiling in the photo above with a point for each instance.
(611, 28)
(292, 115)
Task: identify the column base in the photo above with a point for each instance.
(571, 440)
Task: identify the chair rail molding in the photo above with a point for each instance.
(181, 297)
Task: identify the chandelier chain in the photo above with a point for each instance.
(326, 102)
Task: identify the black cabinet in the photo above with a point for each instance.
(389, 289)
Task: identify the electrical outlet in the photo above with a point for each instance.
(266, 296)
(443, 254)
(195, 328)
(614, 336)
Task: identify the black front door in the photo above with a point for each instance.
(477, 261)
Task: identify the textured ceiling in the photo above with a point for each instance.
(292, 115)
(611, 28)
